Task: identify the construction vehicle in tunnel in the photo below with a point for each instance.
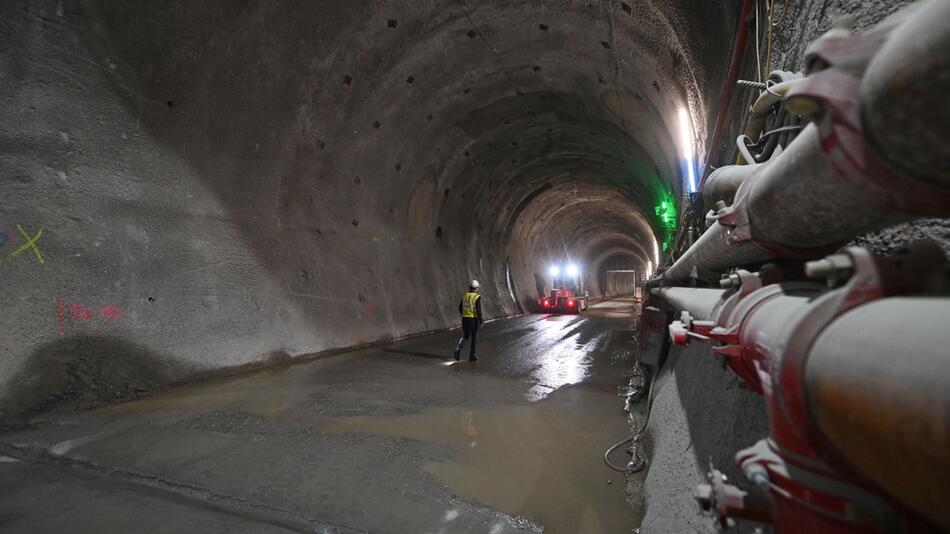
(563, 300)
(568, 295)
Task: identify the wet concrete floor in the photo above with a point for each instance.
(397, 438)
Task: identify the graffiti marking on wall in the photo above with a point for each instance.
(81, 313)
(30, 244)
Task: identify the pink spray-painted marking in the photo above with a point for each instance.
(81, 313)
(111, 313)
(60, 320)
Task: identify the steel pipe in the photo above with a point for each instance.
(904, 95)
(794, 206)
(830, 185)
(723, 183)
(700, 303)
(855, 379)
(877, 385)
(711, 255)
(799, 201)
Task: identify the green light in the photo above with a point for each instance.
(666, 210)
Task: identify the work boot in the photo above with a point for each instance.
(457, 354)
(472, 358)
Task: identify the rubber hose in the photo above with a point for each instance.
(639, 467)
(744, 153)
(773, 140)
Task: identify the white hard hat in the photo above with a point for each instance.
(474, 284)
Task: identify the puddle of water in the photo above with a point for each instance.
(541, 460)
(263, 392)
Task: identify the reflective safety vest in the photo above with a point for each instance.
(468, 304)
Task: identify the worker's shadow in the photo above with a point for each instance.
(421, 354)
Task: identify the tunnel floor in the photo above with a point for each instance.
(394, 438)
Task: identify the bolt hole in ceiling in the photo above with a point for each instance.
(562, 129)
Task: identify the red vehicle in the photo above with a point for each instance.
(563, 300)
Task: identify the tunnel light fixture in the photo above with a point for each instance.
(554, 271)
(686, 140)
(666, 210)
(572, 270)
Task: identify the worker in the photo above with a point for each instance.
(470, 308)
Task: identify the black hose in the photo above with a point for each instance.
(610, 450)
(642, 463)
(771, 139)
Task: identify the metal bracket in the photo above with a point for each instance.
(686, 328)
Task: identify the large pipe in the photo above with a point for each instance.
(700, 303)
(796, 205)
(877, 385)
(829, 187)
(711, 255)
(800, 202)
(855, 379)
(723, 183)
(904, 95)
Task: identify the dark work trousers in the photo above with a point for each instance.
(469, 329)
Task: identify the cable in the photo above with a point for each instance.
(610, 450)
(744, 149)
(793, 127)
(642, 463)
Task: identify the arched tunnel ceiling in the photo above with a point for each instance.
(491, 129)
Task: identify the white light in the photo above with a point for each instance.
(572, 270)
(554, 270)
(649, 269)
(686, 140)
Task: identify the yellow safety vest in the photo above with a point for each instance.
(468, 304)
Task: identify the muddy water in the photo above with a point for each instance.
(521, 431)
(540, 460)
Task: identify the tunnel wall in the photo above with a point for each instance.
(684, 433)
(229, 184)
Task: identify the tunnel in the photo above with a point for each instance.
(199, 192)
(348, 167)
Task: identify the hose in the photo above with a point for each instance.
(771, 141)
(744, 153)
(759, 110)
(635, 436)
(612, 449)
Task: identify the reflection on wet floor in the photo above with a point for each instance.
(539, 460)
(397, 438)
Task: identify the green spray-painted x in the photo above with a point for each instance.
(30, 243)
